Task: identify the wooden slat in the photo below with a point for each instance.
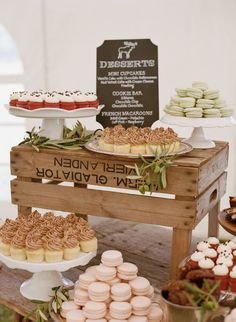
(152, 210)
(213, 168)
(211, 197)
(93, 171)
(85, 167)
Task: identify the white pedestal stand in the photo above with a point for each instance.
(53, 119)
(198, 139)
(46, 275)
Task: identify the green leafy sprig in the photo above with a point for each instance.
(151, 173)
(73, 139)
(61, 294)
(41, 311)
(204, 299)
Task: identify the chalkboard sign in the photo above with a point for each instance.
(127, 82)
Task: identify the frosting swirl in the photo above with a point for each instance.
(34, 240)
(53, 241)
(86, 233)
(70, 239)
(18, 241)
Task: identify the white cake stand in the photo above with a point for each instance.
(198, 139)
(45, 275)
(53, 119)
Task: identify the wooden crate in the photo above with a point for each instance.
(65, 181)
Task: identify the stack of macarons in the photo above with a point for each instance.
(67, 100)
(112, 291)
(196, 102)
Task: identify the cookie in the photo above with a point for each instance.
(187, 102)
(201, 85)
(211, 94)
(194, 92)
(182, 92)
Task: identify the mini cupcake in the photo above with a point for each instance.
(36, 100)
(87, 239)
(195, 258)
(206, 263)
(201, 246)
(53, 248)
(92, 99)
(232, 280)
(23, 100)
(232, 245)
(211, 253)
(67, 101)
(51, 100)
(224, 247)
(221, 273)
(34, 247)
(71, 247)
(234, 256)
(225, 261)
(17, 248)
(108, 142)
(214, 242)
(14, 98)
(7, 233)
(137, 143)
(121, 143)
(81, 100)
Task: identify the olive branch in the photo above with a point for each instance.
(41, 311)
(72, 139)
(152, 172)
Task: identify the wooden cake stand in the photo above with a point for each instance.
(228, 226)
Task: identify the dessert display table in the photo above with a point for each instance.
(196, 183)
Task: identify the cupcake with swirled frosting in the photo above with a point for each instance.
(17, 248)
(34, 247)
(107, 140)
(87, 239)
(7, 232)
(121, 140)
(71, 247)
(137, 143)
(53, 248)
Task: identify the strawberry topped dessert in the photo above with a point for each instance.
(67, 100)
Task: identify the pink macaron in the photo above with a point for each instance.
(95, 310)
(116, 320)
(141, 305)
(105, 273)
(99, 291)
(135, 318)
(121, 292)
(92, 270)
(155, 314)
(151, 292)
(85, 280)
(98, 320)
(127, 271)
(81, 296)
(75, 316)
(67, 307)
(114, 281)
(120, 310)
(112, 258)
(140, 286)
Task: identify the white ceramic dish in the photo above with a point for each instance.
(198, 139)
(54, 112)
(46, 275)
(93, 146)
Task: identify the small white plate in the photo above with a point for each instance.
(93, 146)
